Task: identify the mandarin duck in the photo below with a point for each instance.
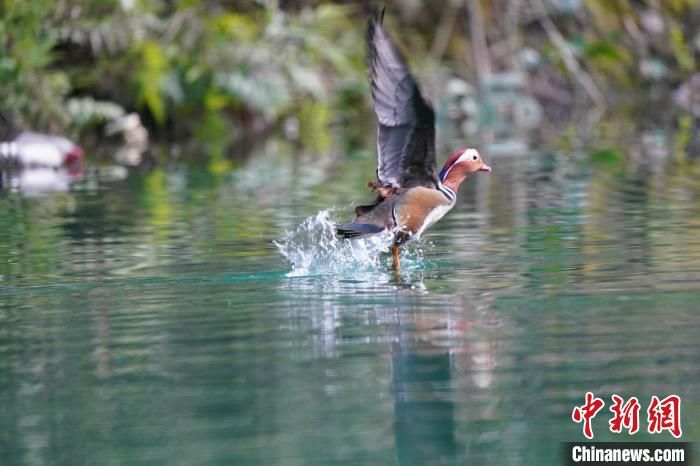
(411, 196)
(28, 149)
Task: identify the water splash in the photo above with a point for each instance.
(313, 248)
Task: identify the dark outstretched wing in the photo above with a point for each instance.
(406, 139)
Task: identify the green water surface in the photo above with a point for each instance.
(153, 320)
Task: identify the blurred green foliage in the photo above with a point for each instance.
(628, 44)
(29, 88)
(190, 68)
(217, 70)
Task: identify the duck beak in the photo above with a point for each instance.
(74, 156)
(484, 168)
(74, 162)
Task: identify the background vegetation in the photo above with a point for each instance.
(221, 70)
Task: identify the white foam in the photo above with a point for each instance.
(313, 248)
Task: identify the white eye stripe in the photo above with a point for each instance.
(468, 154)
(463, 157)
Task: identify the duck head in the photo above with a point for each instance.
(459, 165)
(73, 155)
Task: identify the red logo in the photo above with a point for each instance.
(665, 415)
(587, 412)
(625, 415)
(661, 414)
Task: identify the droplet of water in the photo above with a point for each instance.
(313, 248)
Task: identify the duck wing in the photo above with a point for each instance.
(406, 137)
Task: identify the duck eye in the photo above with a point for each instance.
(474, 157)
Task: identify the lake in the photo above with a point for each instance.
(204, 313)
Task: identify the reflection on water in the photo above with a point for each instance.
(153, 320)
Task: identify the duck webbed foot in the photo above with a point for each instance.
(395, 251)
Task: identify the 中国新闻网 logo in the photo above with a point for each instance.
(662, 415)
